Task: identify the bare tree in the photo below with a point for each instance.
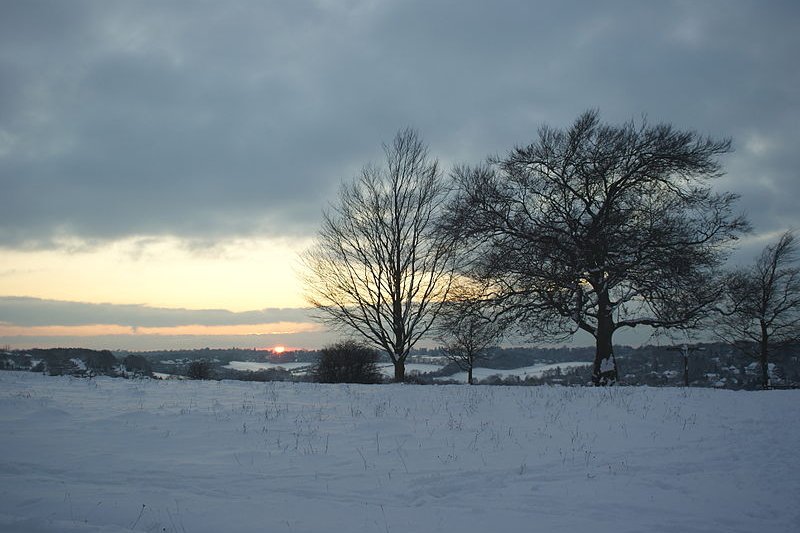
(468, 328)
(378, 267)
(598, 228)
(761, 310)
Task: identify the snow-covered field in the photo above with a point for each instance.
(184, 456)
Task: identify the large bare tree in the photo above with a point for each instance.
(599, 227)
(761, 310)
(378, 268)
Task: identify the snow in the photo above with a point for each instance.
(112, 455)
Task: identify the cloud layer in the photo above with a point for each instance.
(33, 322)
(235, 119)
(220, 122)
(34, 312)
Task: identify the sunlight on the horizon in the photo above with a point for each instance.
(240, 275)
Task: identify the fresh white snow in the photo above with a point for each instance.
(111, 455)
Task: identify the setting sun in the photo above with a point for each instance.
(279, 349)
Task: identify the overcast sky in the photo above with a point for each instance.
(202, 137)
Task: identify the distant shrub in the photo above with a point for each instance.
(200, 369)
(494, 379)
(416, 378)
(137, 364)
(268, 374)
(347, 362)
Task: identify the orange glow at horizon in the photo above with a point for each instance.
(279, 349)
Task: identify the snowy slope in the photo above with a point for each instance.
(120, 455)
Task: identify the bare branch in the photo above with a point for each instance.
(598, 227)
(378, 267)
(761, 309)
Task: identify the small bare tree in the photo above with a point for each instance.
(467, 327)
(761, 310)
(378, 267)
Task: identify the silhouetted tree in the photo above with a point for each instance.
(761, 311)
(347, 362)
(597, 228)
(378, 267)
(467, 328)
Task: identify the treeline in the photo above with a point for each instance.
(75, 362)
(709, 365)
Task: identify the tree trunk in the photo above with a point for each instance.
(604, 370)
(400, 370)
(469, 375)
(686, 368)
(399, 335)
(764, 355)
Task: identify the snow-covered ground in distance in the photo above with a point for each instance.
(479, 373)
(254, 366)
(387, 369)
(111, 455)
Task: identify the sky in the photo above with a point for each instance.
(162, 164)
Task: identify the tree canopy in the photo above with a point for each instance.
(378, 267)
(761, 308)
(596, 228)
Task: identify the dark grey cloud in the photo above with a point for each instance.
(24, 311)
(221, 119)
